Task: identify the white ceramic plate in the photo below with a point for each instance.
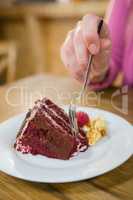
(109, 153)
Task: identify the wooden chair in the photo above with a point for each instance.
(8, 60)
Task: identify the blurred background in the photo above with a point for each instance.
(32, 31)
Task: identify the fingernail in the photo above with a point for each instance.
(93, 49)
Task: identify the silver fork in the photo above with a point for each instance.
(72, 107)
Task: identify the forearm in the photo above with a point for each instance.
(99, 77)
(116, 17)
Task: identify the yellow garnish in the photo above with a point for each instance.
(95, 130)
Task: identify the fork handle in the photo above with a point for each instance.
(100, 24)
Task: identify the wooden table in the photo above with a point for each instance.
(115, 185)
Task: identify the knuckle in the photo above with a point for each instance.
(90, 16)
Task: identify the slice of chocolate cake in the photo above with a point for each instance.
(46, 131)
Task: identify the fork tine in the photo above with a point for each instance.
(71, 118)
(74, 119)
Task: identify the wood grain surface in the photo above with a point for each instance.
(115, 185)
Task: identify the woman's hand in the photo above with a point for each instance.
(82, 41)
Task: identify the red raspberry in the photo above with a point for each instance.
(82, 118)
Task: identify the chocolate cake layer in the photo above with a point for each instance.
(46, 131)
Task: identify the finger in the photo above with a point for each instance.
(68, 55)
(103, 57)
(80, 47)
(67, 50)
(90, 35)
(97, 72)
